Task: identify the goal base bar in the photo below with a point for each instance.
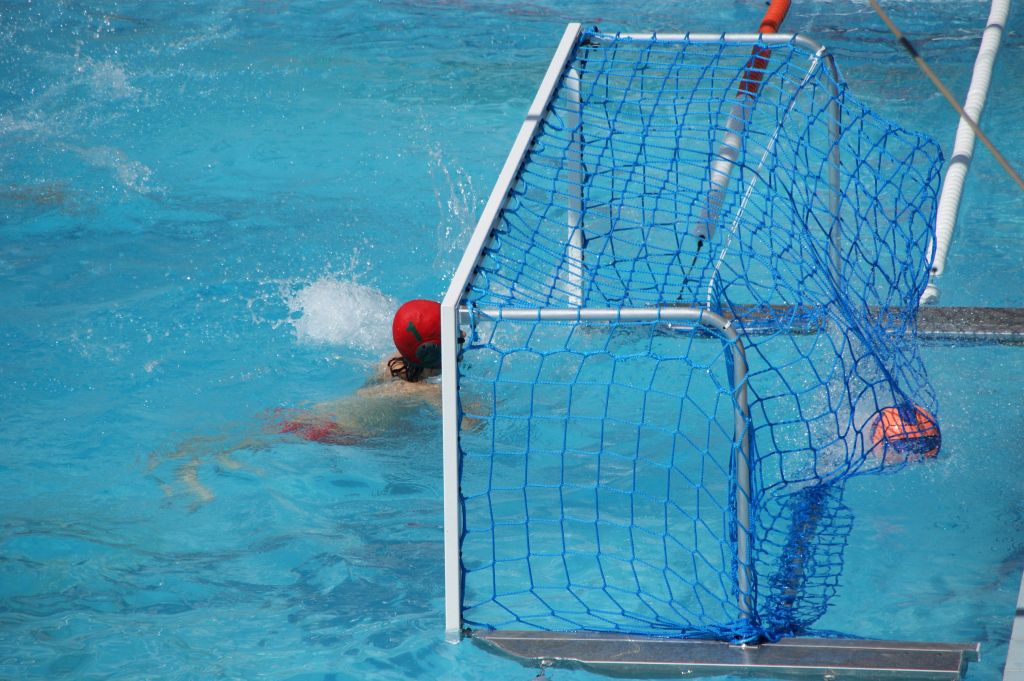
(801, 658)
(978, 325)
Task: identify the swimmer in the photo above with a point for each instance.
(402, 384)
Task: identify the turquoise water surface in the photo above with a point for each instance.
(211, 209)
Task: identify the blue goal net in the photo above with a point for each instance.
(689, 318)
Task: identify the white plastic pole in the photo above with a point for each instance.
(963, 147)
(721, 167)
(739, 116)
(769, 150)
(574, 165)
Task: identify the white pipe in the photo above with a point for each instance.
(769, 150)
(963, 147)
(574, 165)
(721, 167)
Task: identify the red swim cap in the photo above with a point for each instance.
(417, 332)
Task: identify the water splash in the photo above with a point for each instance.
(106, 79)
(130, 173)
(457, 205)
(343, 313)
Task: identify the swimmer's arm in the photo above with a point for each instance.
(431, 394)
(399, 389)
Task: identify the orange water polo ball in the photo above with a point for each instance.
(910, 432)
(416, 330)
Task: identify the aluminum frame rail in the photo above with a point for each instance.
(648, 657)
(988, 325)
(940, 324)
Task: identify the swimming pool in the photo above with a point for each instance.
(210, 213)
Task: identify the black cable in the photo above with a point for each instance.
(689, 270)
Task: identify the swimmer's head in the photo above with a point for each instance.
(417, 332)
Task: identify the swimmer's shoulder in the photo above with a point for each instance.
(396, 386)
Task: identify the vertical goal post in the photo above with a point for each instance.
(450, 326)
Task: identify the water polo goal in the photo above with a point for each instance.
(690, 295)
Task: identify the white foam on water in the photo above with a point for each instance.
(342, 313)
(131, 174)
(107, 79)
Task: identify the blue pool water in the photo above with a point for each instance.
(209, 212)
